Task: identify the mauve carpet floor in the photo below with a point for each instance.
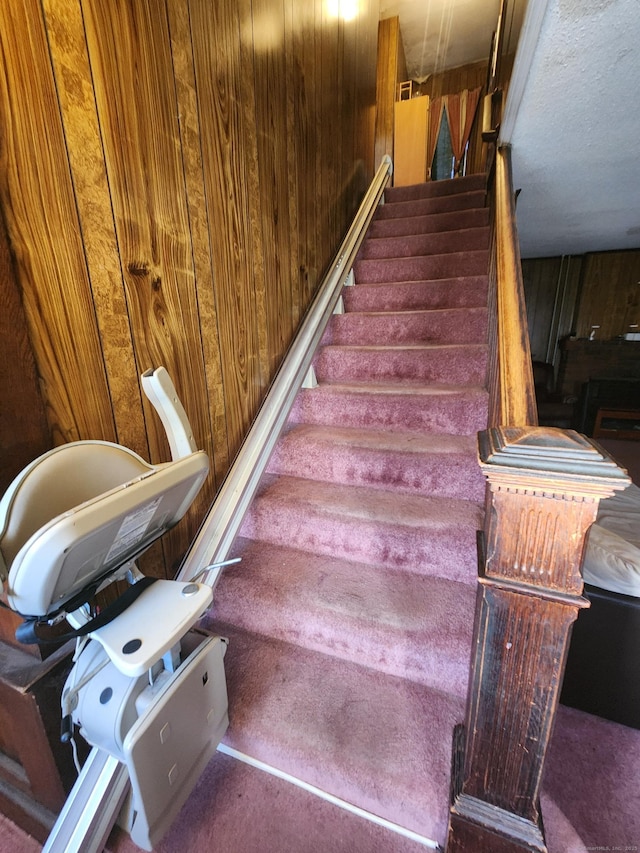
(589, 801)
(350, 616)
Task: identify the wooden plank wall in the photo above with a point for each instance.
(568, 295)
(24, 433)
(391, 71)
(610, 295)
(176, 176)
(551, 290)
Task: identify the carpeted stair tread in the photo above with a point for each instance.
(403, 624)
(412, 245)
(461, 364)
(378, 742)
(447, 325)
(429, 223)
(403, 532)
(419, 463)
(241, 809)
(454, 409)
(427, 206)
(422, 267)
(435, 189)
(456, 292)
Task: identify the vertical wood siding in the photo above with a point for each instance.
(175, 177)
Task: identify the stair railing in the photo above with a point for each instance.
(544, 488)
(224, 518)
(512, 393)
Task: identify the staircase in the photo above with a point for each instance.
(350, 616)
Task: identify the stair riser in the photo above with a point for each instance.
(451, 327)
(454, 365)
(382, 744)
(398, 227)
(288, 598)
(466, 240)
(436, 189)
(438, 475)
(445, 551)
(422, 268)
(455, 415)
(417, 295)
(427, 206)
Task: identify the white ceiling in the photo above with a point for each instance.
(576, 130)
(440, 34)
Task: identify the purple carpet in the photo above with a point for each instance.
(350, 616)
(351, 613)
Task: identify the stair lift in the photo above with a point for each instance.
(146, 690)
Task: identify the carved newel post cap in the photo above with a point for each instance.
(545, 458)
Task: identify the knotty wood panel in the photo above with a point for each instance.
(188, 115)
(269, 68)
(39, 207)
(70, 60)
(130, 53)
(24, 433)
(300, 39)
(226, 152)
(176, 177)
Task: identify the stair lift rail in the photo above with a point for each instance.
(102, 787)
(221, 524)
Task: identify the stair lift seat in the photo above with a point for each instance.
(145, 688)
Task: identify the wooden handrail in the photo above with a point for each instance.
(513, 400)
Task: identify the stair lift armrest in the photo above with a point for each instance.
(153, 624)
(161, 392)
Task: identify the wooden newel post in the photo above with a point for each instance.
(545, 487)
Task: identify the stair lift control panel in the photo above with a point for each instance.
(146, 691)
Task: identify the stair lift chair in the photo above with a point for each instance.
(145, 691)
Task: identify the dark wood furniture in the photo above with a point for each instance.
(36, 770)
(605, 393)
(617, 423)
(601, 675)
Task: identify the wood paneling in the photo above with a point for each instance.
(41, 215)
(610, 295)
(569, 295)
(176, 175)
(551, 290)
(24, 433)
(391, 70)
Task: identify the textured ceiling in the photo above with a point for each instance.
(576, 133)
(440, 34)
(577, 129)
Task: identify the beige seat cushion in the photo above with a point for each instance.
(612, 556)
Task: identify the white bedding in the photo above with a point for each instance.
(612, 557)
